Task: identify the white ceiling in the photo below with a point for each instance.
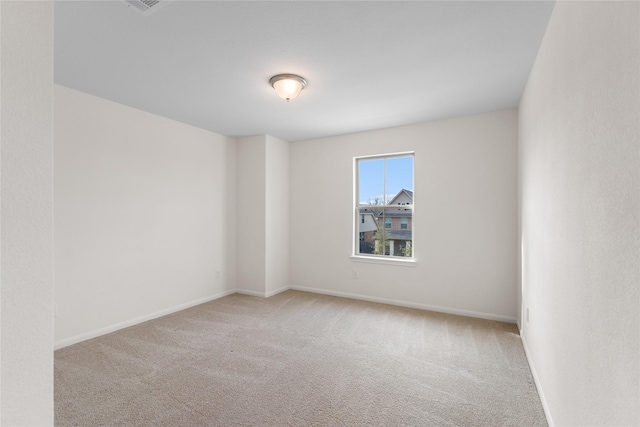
(369, 65)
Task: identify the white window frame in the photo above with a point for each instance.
(373, 258)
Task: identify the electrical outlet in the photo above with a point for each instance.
(218, 274)
(354, 274)
(527, 314)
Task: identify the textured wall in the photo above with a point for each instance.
(580, 207)
(26, 292)
(465, 222)
(144, 214)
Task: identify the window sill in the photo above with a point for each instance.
(386, 260)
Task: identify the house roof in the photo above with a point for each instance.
(392, 214)
(409, 193)
(400, 234)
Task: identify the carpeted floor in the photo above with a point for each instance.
(299, 359)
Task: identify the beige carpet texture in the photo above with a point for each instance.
(299, 359)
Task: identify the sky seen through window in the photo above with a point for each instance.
(372, 183)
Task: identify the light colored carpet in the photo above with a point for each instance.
(299, 359)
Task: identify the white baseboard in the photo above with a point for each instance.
(250, 293)
(102, 331)
(536, 380)
(262, 294)
(277, 291)
(439, 309)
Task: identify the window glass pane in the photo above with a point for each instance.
(399, 176)
(384, 223)
(367, 227)
(399, 235)
(371, 182)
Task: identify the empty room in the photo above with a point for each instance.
(340, 213)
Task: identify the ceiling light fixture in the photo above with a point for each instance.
(287, 86)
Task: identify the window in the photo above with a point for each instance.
(383, 184)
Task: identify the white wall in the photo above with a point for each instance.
(144, 215)
(580, 214)
(250, 232)
(277, 215)
(26, 262)
(263, 215)
(465, 223)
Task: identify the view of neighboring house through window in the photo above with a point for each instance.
(384, 205)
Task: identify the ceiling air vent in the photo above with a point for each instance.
(146, 7)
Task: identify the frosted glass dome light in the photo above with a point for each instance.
(288, 86)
